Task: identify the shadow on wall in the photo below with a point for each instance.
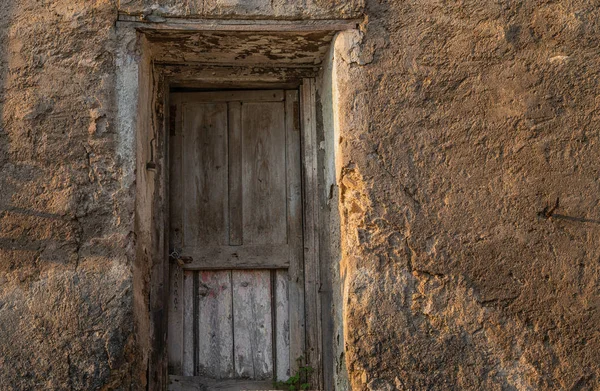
(65, 306)
(32, 226)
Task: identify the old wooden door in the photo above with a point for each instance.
(236, 309)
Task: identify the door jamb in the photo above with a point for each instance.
(310, 203)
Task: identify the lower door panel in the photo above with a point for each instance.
(229, 324)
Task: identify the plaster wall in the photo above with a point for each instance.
(457, 125)
(66, 202)
(466, 121)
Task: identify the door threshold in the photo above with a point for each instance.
(199, 383)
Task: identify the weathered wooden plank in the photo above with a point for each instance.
(264, 162)
(175, 331)
(295, 234)
(175, 176)
(237, 257)
(188, 324)
(151, 303)
(197, 383)
(263, 49)
(175, 305)
(205, 174)
(282, 325)
(311, 242)
(230, 77)
(231, 96)
(287, 26)
(235, 174)
(252, 327)
(215, 325)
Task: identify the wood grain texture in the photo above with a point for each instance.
(253, 348)
(175, 176)
(234, 76)
(264, 210)
(311, 240)
(188, 365)
(205, 174)
(237, 257)
(175, 305)
(215, 325)
(175, 332)
(253, 48)
(252, 25)
(295, 234)
(235, 175)
(232, 96)
(282, 325)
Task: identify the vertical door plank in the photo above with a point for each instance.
(175, 306)
(311, 240)
(295, 235)
(235, 174)
(264, 190)
(215, 325)
(205, 174)
(282, 325)
(175, 175)
(188, 323)
(252, 327)
(175, 336)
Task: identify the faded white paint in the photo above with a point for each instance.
(127, 90)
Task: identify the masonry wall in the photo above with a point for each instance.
(65, 206)
(467, 120)
(461, 124)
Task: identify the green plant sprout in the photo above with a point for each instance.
(298, 381)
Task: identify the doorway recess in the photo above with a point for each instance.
(179, 55)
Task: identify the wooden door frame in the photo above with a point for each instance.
(152, 201)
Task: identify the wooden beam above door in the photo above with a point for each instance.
(155, 22)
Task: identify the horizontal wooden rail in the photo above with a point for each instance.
(154, 22)
(236, 257)
(230, 96)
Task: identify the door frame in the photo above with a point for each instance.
(152, 199)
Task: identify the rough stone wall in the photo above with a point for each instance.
(461, 121)
(467, 119)
(259, 9)
(65, 203)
